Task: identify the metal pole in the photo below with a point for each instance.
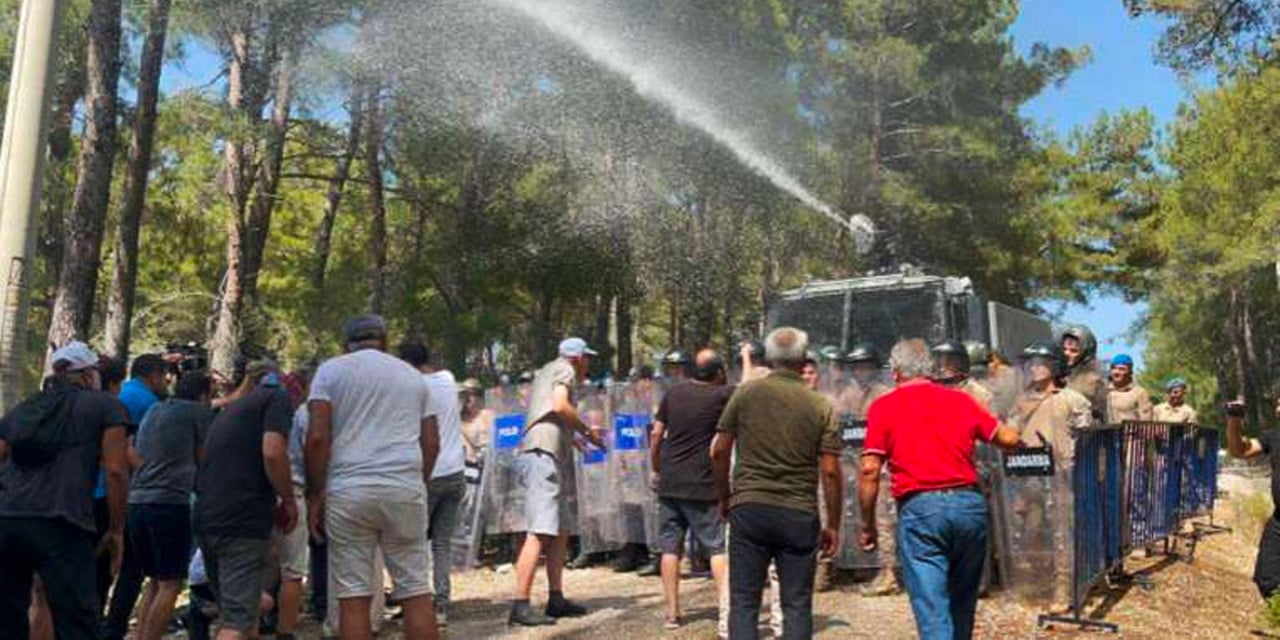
(21, 165)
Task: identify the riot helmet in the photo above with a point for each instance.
(1079, 346)
(950, 361)
(1042, 361)
(863, 353)
(676, 364)
(829, 353)
(863, 362)
(979, 354)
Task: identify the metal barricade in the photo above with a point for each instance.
(1200, 482)
(1095, 547)
(1152, 468)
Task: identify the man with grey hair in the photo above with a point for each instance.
(371, 446)
(926, 432)
(785, 436)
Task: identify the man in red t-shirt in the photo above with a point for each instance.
(926, 432)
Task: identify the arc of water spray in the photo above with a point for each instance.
(654, 85)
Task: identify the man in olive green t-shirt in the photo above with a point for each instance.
(784, 434)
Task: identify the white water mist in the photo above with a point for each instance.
(652, 82)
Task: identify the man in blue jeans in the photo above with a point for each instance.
(926, 432)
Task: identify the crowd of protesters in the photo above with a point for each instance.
(114, 495)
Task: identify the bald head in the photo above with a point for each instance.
(708, 366)
(705, 357)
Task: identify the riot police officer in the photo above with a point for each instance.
(951, 369)
(1080, 351)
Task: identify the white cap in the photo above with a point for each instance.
(575, 348)
(77, 355)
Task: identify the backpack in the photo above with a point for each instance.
(42, 426)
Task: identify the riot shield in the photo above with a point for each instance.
(850, 554)
(467, 535)
(595, 498)
(1036, 507)
(634, 408)
(504, 500)
(852, 405)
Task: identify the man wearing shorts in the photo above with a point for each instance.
(681, 457)
(243, 489)
(370, 447)
(546, 456)
(170, 442)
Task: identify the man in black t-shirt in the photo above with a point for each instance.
(1266, 570)
(243, 488)
(46, 510)
(680, 454)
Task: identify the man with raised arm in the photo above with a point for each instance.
(1266, 570)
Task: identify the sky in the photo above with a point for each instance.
(1123, 75)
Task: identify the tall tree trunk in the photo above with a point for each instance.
(267, 183)
(244, 101)
(543, 328)
(377, 204)
(78, 277)
(337, 187)
(67, 95)
(124, 278)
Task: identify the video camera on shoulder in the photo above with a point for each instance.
(186, 356)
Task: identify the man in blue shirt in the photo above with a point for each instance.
(148, 379)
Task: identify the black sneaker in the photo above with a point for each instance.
(527, 617)
(565, 608)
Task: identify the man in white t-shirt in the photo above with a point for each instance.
(448, 480)
(371, 444)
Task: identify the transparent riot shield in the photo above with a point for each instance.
(596, 500)
(504, 500)
(1038, 508)
(632, 419)
(853, 402)
(467, 535)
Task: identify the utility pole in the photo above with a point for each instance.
(21, 165)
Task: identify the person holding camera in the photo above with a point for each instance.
(1266, 570)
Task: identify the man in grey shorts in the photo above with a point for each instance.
(680, 454)
(546, 456)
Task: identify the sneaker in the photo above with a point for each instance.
(527, 617)
(565, 608)
(442, 616)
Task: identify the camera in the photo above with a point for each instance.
(186, 356)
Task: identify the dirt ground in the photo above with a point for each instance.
(1210, 597)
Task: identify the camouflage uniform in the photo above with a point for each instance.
(1129, 403)
(1181, 414)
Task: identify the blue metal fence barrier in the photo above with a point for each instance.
(1135, 485)
(1096, 483)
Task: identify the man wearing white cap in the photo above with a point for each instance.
(50, 448)
(546, 455)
